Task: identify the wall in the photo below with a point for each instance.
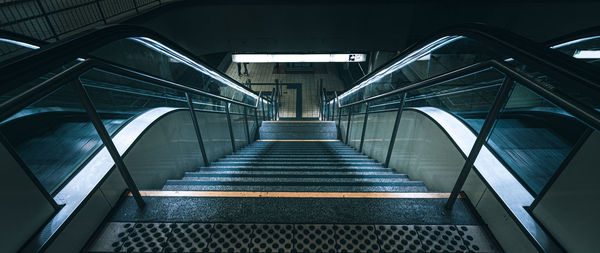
(24, 207)
(424, 152)
(570, 207)
(166, 150)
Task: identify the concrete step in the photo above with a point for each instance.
(298, 131)
(311, 159)
(295, 164)
(306, 169)
(334, 174)
(295, 180)
(299, 152)
(289, 188)
(318, 156)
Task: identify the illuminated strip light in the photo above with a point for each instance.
(157, 46)
(587, 54)
(414, 56)
(19, 43)
(267, 58)
(574, 42)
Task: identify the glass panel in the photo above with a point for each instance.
(53, 136)
(469, 97)
(586, 49)
(151, 57)
(238, 124)
(533, 137)
(438, 57)
(119, 99)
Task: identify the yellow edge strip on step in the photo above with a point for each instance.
(299, 140)
(245, 194)
(283, 121)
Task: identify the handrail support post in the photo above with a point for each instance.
(388, 157)
(229, 126)
(197, 128)
(348, 125)
(107, 141)
(364, 128)
(488, 124)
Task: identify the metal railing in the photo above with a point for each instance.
(584, 113)
(70, 76)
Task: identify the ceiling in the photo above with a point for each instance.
(231, 26)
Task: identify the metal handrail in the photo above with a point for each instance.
(582, 112)
(560, 66)
(71, 76)
(28, 66)
(22, 100)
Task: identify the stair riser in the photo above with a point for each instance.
(295, 174)
(295, 180)
(296, 188)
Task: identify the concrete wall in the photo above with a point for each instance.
(24, 208)
(166, 150)
(424, 152)
(570, 207)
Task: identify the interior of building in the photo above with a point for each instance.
(299, 126)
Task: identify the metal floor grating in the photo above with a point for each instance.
(289, 238)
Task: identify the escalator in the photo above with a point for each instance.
(92, 119)
(457, 84)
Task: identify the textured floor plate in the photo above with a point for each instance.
(287, 238)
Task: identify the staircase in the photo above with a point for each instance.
(296, 157)
(297, 189)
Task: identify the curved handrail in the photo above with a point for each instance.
(28, 66)
(560, 66)
(24, 99)
(581, 111)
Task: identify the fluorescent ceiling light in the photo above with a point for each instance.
(574, 42)
(587, 54)
(265, 58)
(19, 43)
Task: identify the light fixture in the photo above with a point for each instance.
(19, 43)
(267, 58)
(587, 54)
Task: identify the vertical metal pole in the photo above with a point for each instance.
(247, 130)
(348, 125)
(364, 128)
(339, 115)
(229, 126)
(108, 143)
(273, 104)
(263, 110)
(395, 130)
(197, 128)
(488, 124)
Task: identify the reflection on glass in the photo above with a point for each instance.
(469, 97)
(438, 57)
(54, 136)
(533, 137)
(119, 97)
(586, 49)
(152, 57)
